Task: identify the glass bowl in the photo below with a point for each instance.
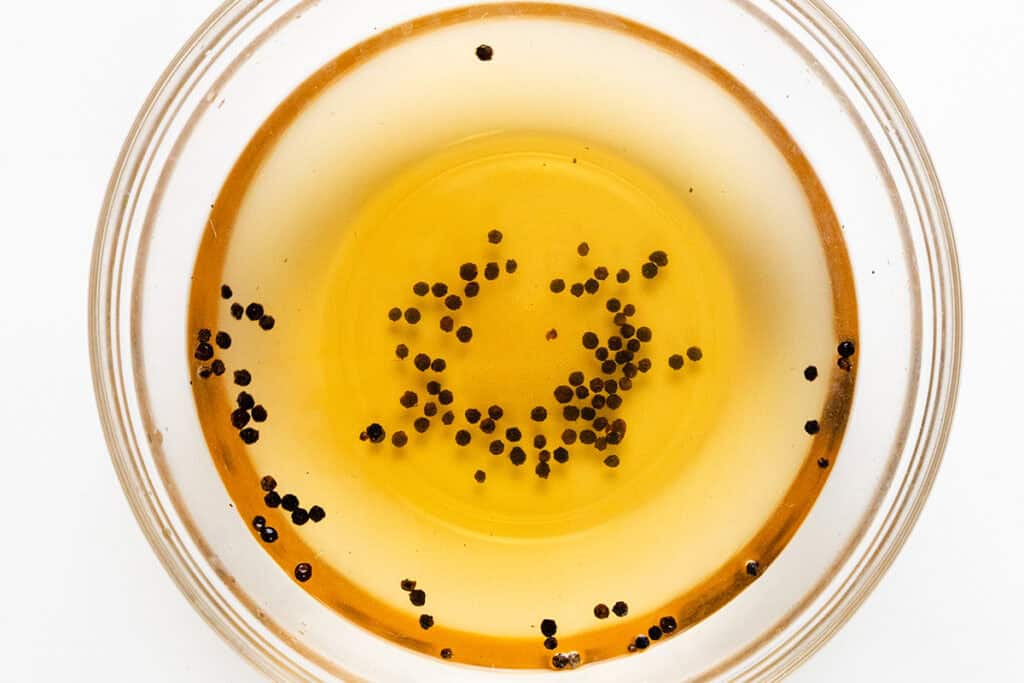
(798, 59)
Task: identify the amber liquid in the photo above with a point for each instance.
(345, 199)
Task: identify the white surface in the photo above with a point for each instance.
(82, 597)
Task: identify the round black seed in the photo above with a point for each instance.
(557, 285)
(613, 462)
(560, 661)
(659, 258)
(375, 433)
(620, 609)
(496, 447)
(495, 412)
(468, 271)
(590, 340)
(810, 373)
(613, 438)
(462, 437)
(615, 343)
(568, 437)
(614, 402)
(577, 289)
(591, 286)
(239, 418)
(417, 597)
(452, 302)
(487, 425)
(439, 289)
(587, 436)
(542, 470)
(561, 455)
(601, 273)
(513, 434)
(445, 397)
(583, 249)
(654, 633)
(668, 624)
(242, 378)
(421, 424)
(694, 353)
(844, 364)
(223, 340)
(272, 499)
(254, 311)
(204, 351)
(846, 349)
(484, 53)
(408, 585)
(649, 270)
(642, 642)
(539, 441)
(491, 271)
(438, 365)
(249, 435)
(622, 276)
(517, 455)
(267, 322)
(268, 534)
(587, 413)
(823, 463)
(539, 414)
(399, 439)
(412, 315)
(627, 331)
(613, 305)
(426, 621)
(551, 643)
(408, 399)
(268, 483)
(511, 266)
(753, 568)
(225, 292)
(300, 516)
(625, 384)
(420, 288)
(289, 502)
(217, 367)
(544, 456)
(402, 351)
(548, 627)
(447, 324)
(480, 476)
(448, 417)
(464, 334)
(395, 314)
(601, 611)
(608, 367)
(620, 318)
(471, 289)
(675, 361)
(601, 354)
(472, 416)
(563, 393)
(446, 653)
(421, 361)
(598, 401)
(237, 311)
(576, 378)
(633, 345)
(571, 413)
(433, 387)
(317, 514)
(812, 427)
(611, 386)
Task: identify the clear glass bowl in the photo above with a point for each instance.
(807, 68)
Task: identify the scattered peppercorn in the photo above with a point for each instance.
(445, 397)
(448, 417)
(495, 412)
(601, 354)
(417, 597)
(642, 642)
(557, 285)
(402, 351)
(694, 353)
(272, 499)
(583, 249)
(375, 433)
(223, 340)
(268, 483)
(654, 633)
(484, 53)
(239, 418)
(812, 427)
(542, 470)
(399, 439)
(447, 323)
(590, 340)
(675, 361)
(317, 514)
(468, 271)
(464, 334)
(289, 502)
(268, 534)
(299, 516)
(615, 343)
(513, 434)
(438, 365)
(242, 378)
(823, 463)
(511, 266)
(412, 315)
(577, 289)
(810, 373)
(591, 286)
(254, 311)
(548, 627)
(587, 413)
(539, 414)
(846, 349)
(452, 302)
(439, 289)
(539, 441)
(668, 624)
(622, 276)
(421, 361)
(561, 454)
(496, 447)
(426, 621)
(551, 643)
(517, 455)
(249, 436)
(659, 258)
(614, 402)
(844, 364)
(420, 288)
(613, 462)
(601, 611)
(237, 311)
(649, 270)
(571, 413)
(620, 609)
(204, 351)
(408, 585)
(544, 456)
(446, 653)
(480, 476)
(462, 437)
(601, 273)
(421, 424)
(487, 425)
(563, 393)
(267, 322)
(551, 334)
(471, 289)
(491, 270)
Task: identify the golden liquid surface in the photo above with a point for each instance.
(716, 468)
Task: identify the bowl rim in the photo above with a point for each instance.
(939, 384)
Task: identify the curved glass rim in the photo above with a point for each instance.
(940, 382)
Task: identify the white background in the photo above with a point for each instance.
(82, 597)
